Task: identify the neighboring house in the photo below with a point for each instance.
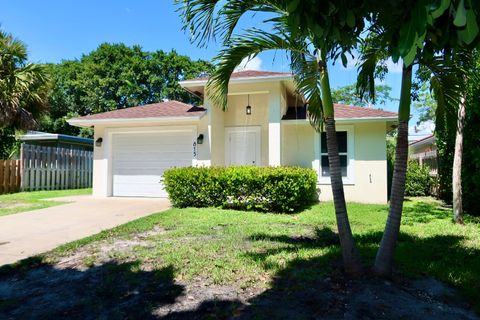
(266, 124)
(425, 152)
(57, 140)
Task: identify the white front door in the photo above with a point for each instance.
(242, 146)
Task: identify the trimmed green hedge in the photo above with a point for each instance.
(268, 189)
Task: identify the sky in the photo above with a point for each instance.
(54, 30)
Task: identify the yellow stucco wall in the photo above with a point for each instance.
(264, 97)
(370, 168)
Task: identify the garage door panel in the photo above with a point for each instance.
(139, 160)
(155, 149)
(156, 155)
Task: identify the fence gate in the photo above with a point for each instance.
(9, 176)
(50, 168)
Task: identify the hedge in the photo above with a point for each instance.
(418, 180)
(267, 189)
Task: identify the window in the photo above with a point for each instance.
(342, 150)
(346, 150)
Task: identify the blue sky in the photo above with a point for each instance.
(61, 29)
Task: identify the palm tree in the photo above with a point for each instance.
(427, 29)
(22, 85)
(309, 43)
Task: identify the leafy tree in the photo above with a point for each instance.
(348, 95)
(116, 76)
(311, 38)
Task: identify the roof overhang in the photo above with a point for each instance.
(86, 123)
(55, 137)
(347, 120)
(203, 82)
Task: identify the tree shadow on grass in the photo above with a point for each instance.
(425, 212)
(108, 291)
(316, 288)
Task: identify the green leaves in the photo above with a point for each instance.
(438, 11)
(470, 32)
(460, 15)
(267, 189)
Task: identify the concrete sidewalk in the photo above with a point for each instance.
(29, 233)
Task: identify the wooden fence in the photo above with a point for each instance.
(50, 168)
(9, 176)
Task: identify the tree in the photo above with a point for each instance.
(451, 86)
(348, 95)
(22, 85)
(311, 38)
(116, 76)
(427, 28)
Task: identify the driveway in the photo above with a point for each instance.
(29, 233)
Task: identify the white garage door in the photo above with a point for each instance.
(139, 160)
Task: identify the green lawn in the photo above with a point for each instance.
(255, 249)
(27, 201)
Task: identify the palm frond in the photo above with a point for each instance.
(229, 15)
(307, 81)
(199, 18)
(250, 44)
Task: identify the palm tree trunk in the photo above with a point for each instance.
(384, 260)
(457, 164)
(351, 258)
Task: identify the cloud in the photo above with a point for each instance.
(421, 130)
(250, 63)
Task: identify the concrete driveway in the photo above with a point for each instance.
(29, 233)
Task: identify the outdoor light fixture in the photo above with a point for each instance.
(200, 139)
(248, 109)
(98, 142)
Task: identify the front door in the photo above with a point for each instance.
(242, 146)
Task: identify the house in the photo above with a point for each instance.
(57, 140)
(425, 152)
(266, 124)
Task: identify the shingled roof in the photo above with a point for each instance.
(342, 111)
(170, 108)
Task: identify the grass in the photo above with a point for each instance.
(26, 201)
(249, 249)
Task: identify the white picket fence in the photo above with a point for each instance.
(50, 168)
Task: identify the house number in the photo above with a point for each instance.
(194, 150)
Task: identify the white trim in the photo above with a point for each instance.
(242, 93)
(91, 122)
(350, 178)
(344, 120)
(254, 79)
(108, 145)
(245, 129)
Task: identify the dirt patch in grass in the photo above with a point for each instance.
(13, 204)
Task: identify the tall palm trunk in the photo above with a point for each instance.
(457, 164)
(384, 260)
(351, 258)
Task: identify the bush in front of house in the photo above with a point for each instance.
(418, 181)
(267, 189)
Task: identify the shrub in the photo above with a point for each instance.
(268, 189)
(418, 182)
